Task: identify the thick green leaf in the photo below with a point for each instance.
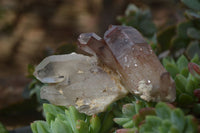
(196, 109)
(172, 69)
(128, 124)
(185, 72)
(34, 127)
(107, 122)
(59, 126)
(193, 4)
(82, 127)
(182, 29)
(178, 119)
(174, 129)
(182, 62)
(62, 117)
(193, 33)
(164, 37)
(138, 118)
(177, 43)
(192, 14)
(193, 49)
(181, 82)
(121, 121)
(75, 115)
(139, 105)
(132, 130)
(163, 111)
(72, 121)
(191, 125)
(42, 127)
(95, 124)
(190, 87)
(147, 27)
(165, 127)
(195, 59)
(50, 117)
(152, 123)
(54, 110)
(185, 99)
(128, 110)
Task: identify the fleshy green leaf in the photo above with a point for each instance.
(193, 33)
(191, 125)
(181, 81)
(193, 4)
(128, 110)
(190, 87)
(163, 111)
(195, 59)
(192, 14)
(182, 62)
(185, 99)
(177, 118)
(53, 109)
(193, 49)
(172, 69)
(107, 123)
(165, 127)
(182, 29)
(81, 126)
(42, 127)
(174, 129)
(50, 117)
(34, 127)
(164, 37)
(121, 121)
(152, 124)
(95, 124)
(59, 126)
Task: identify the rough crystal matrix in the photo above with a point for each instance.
(121, 60)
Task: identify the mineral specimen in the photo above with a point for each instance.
(77, 80)
(124, 50)
(122, 62)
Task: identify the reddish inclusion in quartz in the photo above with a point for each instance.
(125, 51)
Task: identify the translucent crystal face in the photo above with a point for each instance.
(85, 37)
(77, 80)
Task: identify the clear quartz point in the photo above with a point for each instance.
(85, 37)
(77, 80)
(126, 52)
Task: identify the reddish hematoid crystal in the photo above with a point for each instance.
(125, 52)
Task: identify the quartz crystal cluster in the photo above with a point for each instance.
(122, 62)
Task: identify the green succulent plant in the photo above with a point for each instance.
(186, 82)
(62, 120)
(185, 36)
(162, 119)
(140, 19)
(125, 117)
